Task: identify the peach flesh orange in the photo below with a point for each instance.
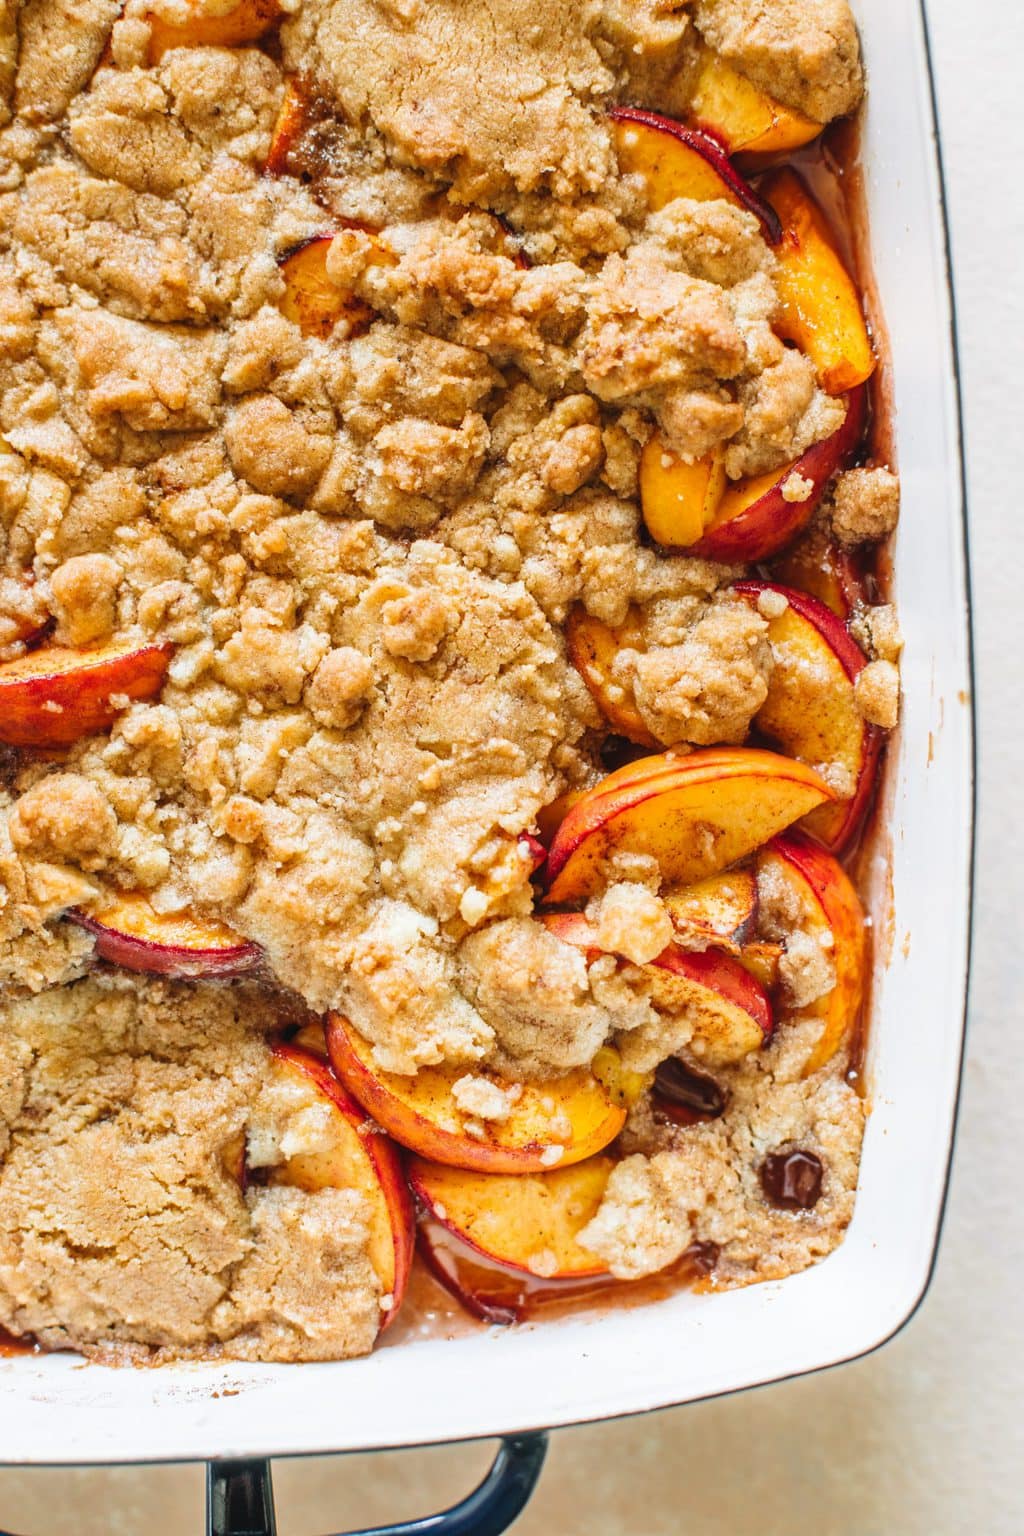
(576, 1114)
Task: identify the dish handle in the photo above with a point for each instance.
(240, 1497)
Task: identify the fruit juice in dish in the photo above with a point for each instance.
(371, 478)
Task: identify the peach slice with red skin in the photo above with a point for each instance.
(356, 1156)
(731, 1010)
(811, 708)
(422, 1113)
(525, 1222)
(727, 104)
(820, 306)
(695, 815)
(498, 1295)
(819, 565)
(593, 647)
(54, 696)
(488, 1292)
(834, 908)
(129, 933)
(674, 160)
(310, 1037)
(755, 518)
(244, 24)
(678, 500)
(723, 910)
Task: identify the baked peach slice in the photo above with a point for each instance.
(819, 565)
(422, 1113)
(832, 908)
(694, 814)
(811, 708)
(311, 300)
(674, 160)
(722, 907)
(353, 1155)
(244, 23)
(310, 1037)
(820, 307)
(757, 517)
(525, 1222)
(54, 696)
(551, 816)
(678, 499)
(129, 933)
(293, 117)
(488, 1292)
(593, 647)
(722, 911)
(761, 958)
(731, 1011)
(735, 110)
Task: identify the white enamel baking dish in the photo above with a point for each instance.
(57, 1409)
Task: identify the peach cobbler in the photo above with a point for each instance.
(443, 665)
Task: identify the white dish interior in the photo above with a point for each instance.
(57, 1409)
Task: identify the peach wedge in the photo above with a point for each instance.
(721, 907)
(745, 118)
(54, 696)
(239, 26)
(551, 816)
(819, 565)
(129, 933)
(421, 1112)
(832, 908)
(811, 710)
(311, 300)
(676, 161)
(678, 500)
(487, 1291)
(757, 517)
(293, 117)
(731, 1012)
(528, 1223)
(722, 911)
(353, 1155)
(593, 647)
(820, 306)
(694, 814)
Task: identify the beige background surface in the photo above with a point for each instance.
(925, 1438)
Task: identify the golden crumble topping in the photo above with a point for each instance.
(344, 426)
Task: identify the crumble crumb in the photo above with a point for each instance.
(771, 604)
(630, 920)
(865, 505)
(877, 630)
(796, 488)
(484, 1098)
(877, 694)
(83, 592)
